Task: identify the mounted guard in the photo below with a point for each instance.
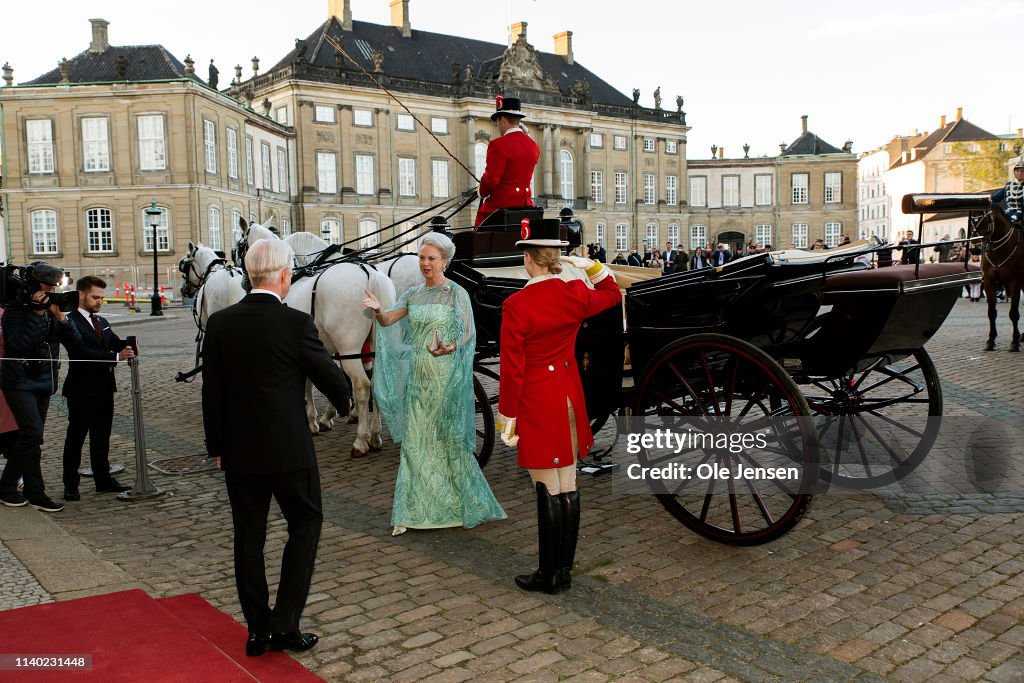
(1012, 195)
(511, 159)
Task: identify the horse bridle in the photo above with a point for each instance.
(990, 245)
(188, 267)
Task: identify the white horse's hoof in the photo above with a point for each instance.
(314, 428)
(326, 426)
(356, 453)
(376, 442)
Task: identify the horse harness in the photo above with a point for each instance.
(363, 265)
(990, 244)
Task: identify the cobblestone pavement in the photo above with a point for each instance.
(17, 585)
(866, 587)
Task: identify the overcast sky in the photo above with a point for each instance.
(861, 71)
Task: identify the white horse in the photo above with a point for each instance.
(215, 284)
(404, 271)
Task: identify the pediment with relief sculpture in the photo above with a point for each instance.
(520, 68)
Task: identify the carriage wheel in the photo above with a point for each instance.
(715, 376)
(484, 424)
(878, 424)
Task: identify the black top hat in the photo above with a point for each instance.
(540, 233)
(507, 106)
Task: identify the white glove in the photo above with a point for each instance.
(507, 427)
(579, 262)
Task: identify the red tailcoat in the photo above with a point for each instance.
(511, 159)
(538, 366)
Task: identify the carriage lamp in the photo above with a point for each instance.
(153, 215)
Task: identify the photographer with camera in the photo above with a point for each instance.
(34, 326)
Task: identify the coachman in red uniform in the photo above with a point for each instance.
(511, 158)
(540, 397)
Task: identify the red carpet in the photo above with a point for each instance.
(132, 637)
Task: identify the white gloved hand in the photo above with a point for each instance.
(578, 261)
(507, 427)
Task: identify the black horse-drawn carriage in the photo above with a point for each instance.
(818, 348)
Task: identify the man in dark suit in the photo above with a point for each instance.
(256, 359)
(634, 259)
(669, 256)
(89, 389)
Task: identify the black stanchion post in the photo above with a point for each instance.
(143, 489)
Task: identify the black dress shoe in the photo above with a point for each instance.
(72, 495)
(112, 486)
(295, 641)
(256, 644)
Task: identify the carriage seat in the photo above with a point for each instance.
(502, 219)
(895, 278)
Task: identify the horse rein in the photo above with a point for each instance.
(990, 244)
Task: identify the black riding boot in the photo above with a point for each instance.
(549, 534)
(570, 532)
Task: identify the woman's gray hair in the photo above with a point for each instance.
(443, 244)
(267, 258)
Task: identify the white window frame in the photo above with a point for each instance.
(730, 191)
(651, 236)
(286, 227)
(95, 144)
(281, 115)
(698, 237)
(362, 118)
(99, 233)
(210, 145)
(621, 187)
(326, 172)
(439, 178)
(236, 227)
(364, 174)
(671, 147)
(833, 187)
(763, 234)
(405, 122)
(267, 167)
(324, 113)
(619, 142)
(213, 227)
(762, 189)
(597, 140)
(44, 232)
(567, 176)
(799, 234)
(480, 158)
(282, 170)
(39, 134)
(250, 170)
(698, 190)
(439, 125)
(335, 230)
(597, 186)
(671, 190)
(833, 231)
(649, 145)
(620, 237)
(368, 231)
(163, 232)
(152, 144)
(232, 140)
(801, 183)
(599, 236)
(650, 188)
(406, 177)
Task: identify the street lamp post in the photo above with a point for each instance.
(153, 214)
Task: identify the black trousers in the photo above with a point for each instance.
(92, 415)
(298, 495)
(24, 457)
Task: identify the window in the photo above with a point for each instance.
(800, 181)
(326, 173)
(833, 188)
(650, 191)
(44, 232)
(439, 177)
(947, 148)
(698, 236)
(406, 177)
(40, 146)
(763, 234)
(480, 158)
(286, 227)
(597, 139)
(163, 241)
(330, 230)
(620, 187)
(762, 190)
(699, 191)
(281, 115)
(248, 162)
(800, 235)
(648, 144)
(232, 153)
(99, 231)
(620, 237)
(368, 235)
(673, 234)
(210, 145)
(268, 172)
(671, 146)
(362, 117)
(620, 142)
(236, 226)
(323, 113)
(406, 122)
(95, 147)
(599, 234)
(282, 170)
(214, 228)
(671, 190)
(364, 174)
(597, 187)
(730, 190)
(439, 125)
(833, 230)
(152, 152)
(651, 236)
(567, 177)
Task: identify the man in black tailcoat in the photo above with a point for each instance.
(256, 359)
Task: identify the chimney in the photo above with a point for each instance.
(942, 121)
(721, 152)
(563, 46)
(959, 113)
(342, 9)
(803, 124)
(99, 35)
(1020, 132)
(400, 17)
(515, 30)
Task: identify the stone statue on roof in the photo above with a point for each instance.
(520, 67)
(657, 97)
(213, 76)
(378, 59)
(636, 95)
(679, 104)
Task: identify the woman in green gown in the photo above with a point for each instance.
(423, 386)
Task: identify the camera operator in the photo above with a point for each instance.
(33, 331)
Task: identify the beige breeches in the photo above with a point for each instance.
(561, 479)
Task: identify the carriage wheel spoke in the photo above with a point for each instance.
(670, 401)
(734, 507)
(777, 482)
(754, 400)
(860, 447)
(686, 482)
(689, 389)
(759, 501)
(909, 430)
(878, 437)
(711, 382)
(707, 501)
(901, 375)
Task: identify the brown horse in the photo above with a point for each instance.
(1002, 263)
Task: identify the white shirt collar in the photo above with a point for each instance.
(517, 129)
(540, 278)
(266, 291)
(85, 314)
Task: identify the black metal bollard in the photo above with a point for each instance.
(143, 489)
